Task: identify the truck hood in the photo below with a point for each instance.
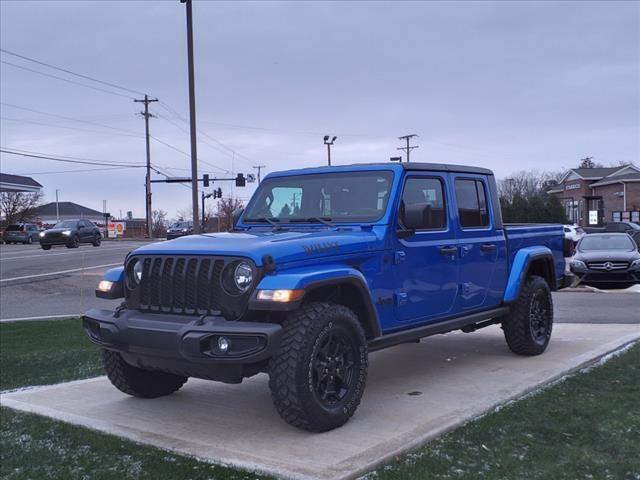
(284, 246)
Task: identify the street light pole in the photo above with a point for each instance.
(192, 117)
(328, 144)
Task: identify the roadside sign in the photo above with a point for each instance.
(116, 229)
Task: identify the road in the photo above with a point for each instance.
(61, 281)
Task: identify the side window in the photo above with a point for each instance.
(427, 193)
(472, 203)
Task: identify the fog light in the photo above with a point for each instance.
(223, 344)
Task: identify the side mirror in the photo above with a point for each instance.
(237, 213)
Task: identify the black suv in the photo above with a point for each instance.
(71, 233)
(22, 233)
(179, 229)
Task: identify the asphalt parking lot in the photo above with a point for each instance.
(61, 282)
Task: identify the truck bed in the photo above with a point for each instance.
(551, 235)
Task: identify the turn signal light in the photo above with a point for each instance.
(282, 296)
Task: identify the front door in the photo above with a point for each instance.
(426, 263)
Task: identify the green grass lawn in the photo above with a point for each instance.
(585, 427)
(39, 353)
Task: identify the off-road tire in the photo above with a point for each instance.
(96, 242)
(521, 324)
(137, 381)
(46, 247)
(291, 369)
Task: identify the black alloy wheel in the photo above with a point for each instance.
(332, 369)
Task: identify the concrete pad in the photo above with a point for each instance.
(414, 393)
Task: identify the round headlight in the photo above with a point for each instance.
(137, 271)
(243, 276)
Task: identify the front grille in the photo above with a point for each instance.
(608, 266)
(190, 285)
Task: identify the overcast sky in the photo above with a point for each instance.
(507, 86)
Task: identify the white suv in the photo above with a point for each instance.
(573, 233)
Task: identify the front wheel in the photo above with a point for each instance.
(74, 243)
(318, 375)
(137, 381)
(527, 328)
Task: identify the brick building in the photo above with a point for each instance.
(593, 197)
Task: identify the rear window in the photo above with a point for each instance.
(472, 203)
(14, 228)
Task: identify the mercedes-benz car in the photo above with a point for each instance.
(606, 258)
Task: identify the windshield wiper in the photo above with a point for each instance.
(273, 221)
(325, 220)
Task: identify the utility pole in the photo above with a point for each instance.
(192, 117)
(259, 168)
(57, 209)
(328, 144)
(147, 184)
(408, 148)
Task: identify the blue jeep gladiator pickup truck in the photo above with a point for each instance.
(324, 266)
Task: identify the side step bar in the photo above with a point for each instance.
(471, 322)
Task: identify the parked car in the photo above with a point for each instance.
(323, 267)
(26, 233)
(630, 228)
(606, 258)
(179, 229)
(574, 233)
(71, 233)
(622, 227)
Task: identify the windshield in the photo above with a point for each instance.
(181, 225)
(66, 224)
(606, 242)
(340, 197)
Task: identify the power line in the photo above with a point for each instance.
(33, 122)
(86, 77)
(72, 119)
(82, 170)
(59, 158)
(65, 79)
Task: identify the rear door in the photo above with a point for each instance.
(426, 263)
(481, 247)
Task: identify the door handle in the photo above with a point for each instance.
(488, 247)
(448, 251)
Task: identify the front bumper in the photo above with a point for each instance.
(55, 240)
(590, 276)
(184, 345)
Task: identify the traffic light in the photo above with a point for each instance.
(240, 180)
(217, 193)
(205, 180)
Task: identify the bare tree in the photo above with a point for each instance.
(527, 183)
(524, 197)
(19, 207)
(158, 223)
(226, 207)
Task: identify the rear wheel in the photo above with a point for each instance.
(137, 381)
(96, 241)
(528, 326)
(318, 375)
